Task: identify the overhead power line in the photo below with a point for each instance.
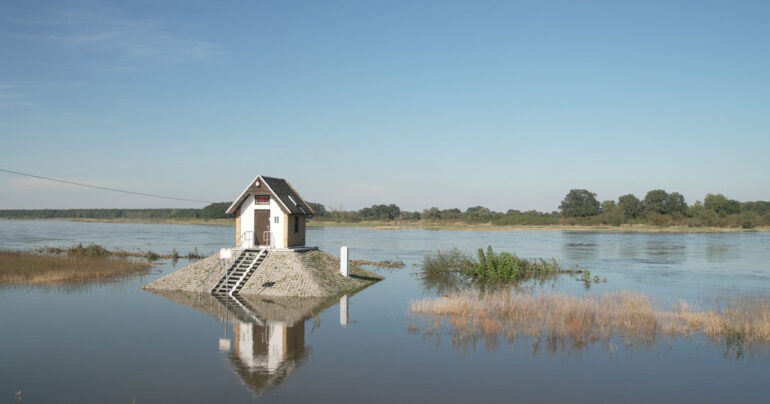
(103, 188)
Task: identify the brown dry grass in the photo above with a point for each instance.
(572, 322)
(21, 267)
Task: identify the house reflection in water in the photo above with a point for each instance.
(264, 355)
(268, 334)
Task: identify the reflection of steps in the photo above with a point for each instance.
(240, 272)
(238, 308)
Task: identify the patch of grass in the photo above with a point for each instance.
(510, 268)
(193, 255)
(442, 262)
(569, 322)
(83, 265)
(79, 250)
(489, 267)
(384, 264)
(94, 250)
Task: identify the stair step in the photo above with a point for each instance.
(239, 273)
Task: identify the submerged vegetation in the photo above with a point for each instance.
(76, 264)
(568, 323)
(85, 265)
(453, 269)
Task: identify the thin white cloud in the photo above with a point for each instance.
(110, 41)
(11, 97)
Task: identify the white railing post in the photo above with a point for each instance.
(344, 261)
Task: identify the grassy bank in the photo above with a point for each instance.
(35, 268)
(569, 322)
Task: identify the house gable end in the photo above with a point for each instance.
(252, 189)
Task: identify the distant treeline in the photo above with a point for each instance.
(579, 207)
(212, 211)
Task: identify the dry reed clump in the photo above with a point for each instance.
(20, 267)
(573, 322)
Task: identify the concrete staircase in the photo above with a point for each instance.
(240, 272)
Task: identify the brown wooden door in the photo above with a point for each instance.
(261, 225)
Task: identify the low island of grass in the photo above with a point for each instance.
(76, 265)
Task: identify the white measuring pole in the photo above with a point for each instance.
(344, 261)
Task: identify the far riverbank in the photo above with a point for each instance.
(383, 225)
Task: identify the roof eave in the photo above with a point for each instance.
(239, 201)
(304, 202)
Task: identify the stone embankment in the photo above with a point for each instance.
(300, 273)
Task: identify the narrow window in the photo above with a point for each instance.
(275, 219)
(296, 224)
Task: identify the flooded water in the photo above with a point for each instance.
(114, 342)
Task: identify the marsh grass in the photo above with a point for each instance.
(383, 264)
(94, 250)
(454, 270)
(35, 268)
(567, 322)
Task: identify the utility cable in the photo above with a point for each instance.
(103, 188)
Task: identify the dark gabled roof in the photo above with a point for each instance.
(290, 198)
(286, 195)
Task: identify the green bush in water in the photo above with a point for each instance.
(508, 267)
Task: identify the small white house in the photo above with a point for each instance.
(270, 213)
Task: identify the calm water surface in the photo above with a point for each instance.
(113, 342)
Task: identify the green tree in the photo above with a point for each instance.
(319, 209)
(697, 209)
(714, 202)
(749, 220)
(709, 218)
(452, 214)
(732, 207)
(655, 202)
(675, 203)
(431, 214)
(580, 202)
(761, 207)
(608, 206)
(214, 211)
(478, 214)
(630, 205)
(380, 212)
(720, 204)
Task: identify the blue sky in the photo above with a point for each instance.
(450, 104)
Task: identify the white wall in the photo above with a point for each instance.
(247, 218)
(245, 343)
(276, 348)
